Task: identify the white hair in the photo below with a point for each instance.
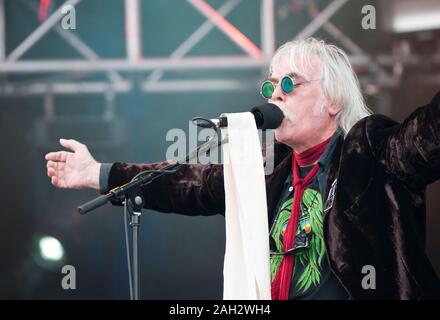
(339, 82)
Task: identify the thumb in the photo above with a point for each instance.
(70, 144)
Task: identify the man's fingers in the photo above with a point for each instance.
(56, 182)
(71, 144)
(56, 165)
(51, 172)
(57, 156)
(59, 181)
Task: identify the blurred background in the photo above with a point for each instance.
(125, 73)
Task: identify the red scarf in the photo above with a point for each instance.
(283, 277)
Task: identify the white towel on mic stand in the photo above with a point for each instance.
(246, 266)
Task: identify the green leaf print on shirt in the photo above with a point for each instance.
(310, 221)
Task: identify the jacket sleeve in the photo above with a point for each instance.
(194, 189)
(411, 150)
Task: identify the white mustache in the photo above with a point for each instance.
(286, 114)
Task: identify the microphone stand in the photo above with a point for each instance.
(133, 201)
(133, 206)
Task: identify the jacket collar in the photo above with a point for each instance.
(325, 160)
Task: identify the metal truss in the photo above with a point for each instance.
(253, 57)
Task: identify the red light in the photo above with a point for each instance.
(44, 7)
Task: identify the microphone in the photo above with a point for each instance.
(267, 116)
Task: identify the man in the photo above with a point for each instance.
(347, 193)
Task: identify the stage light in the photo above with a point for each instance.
(50, 249)
(44, 8)
(412, 16)
(416, 22)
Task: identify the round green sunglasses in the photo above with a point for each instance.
(287, 85)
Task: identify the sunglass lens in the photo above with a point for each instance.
(287, 84)
(267, 89)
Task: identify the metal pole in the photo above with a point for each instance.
(87, 52)
(39, 32)
(2, 31)
(196, 85)
(135, 223)
(227, 28)
(267, 27)
(320, 19)
(210, 62)
(77, 44)
(133, 30)
(195, 38)
(63, 88)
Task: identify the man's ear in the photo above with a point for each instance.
(333, 108)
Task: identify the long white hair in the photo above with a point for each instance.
(339, 82)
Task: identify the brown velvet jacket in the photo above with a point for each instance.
(377, 217)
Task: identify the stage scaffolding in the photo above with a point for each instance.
(253, 57)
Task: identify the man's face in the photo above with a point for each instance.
(304, 122)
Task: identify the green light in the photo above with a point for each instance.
(50, 249)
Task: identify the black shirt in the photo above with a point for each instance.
(311, 277)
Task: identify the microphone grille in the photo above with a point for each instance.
(267, 116)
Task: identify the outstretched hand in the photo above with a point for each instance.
(73, 169)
